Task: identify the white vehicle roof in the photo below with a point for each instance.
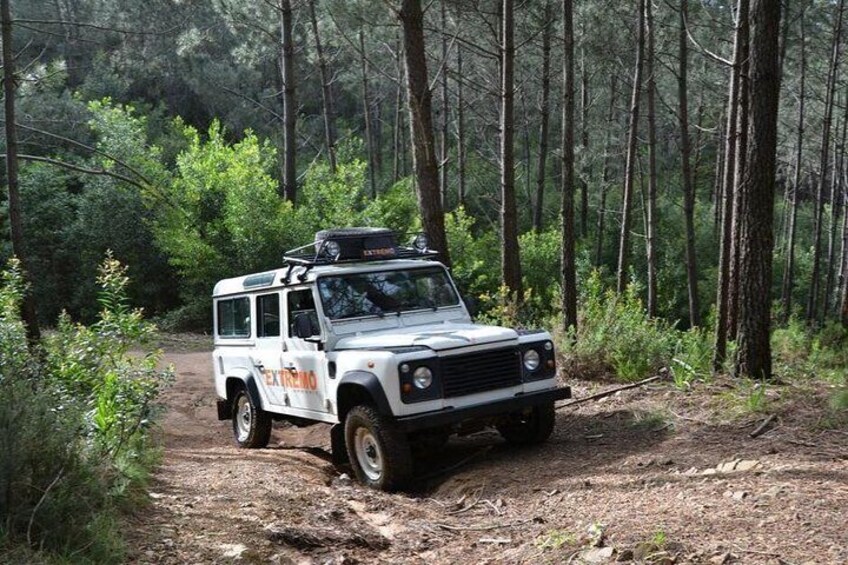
(276, 279)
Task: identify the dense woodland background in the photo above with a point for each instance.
(199, 140)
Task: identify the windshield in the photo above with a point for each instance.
(389, 292)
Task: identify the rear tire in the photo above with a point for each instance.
(530, 429)
(379, 453)
(251, 424)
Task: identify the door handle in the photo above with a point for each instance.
(290, 367)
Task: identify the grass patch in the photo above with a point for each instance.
(556, 539)
(650, 420)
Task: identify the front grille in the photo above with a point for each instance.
(480, 371)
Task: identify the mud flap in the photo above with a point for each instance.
(337, 445)
(225, 409)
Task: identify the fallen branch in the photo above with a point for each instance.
(493, 506)
(482, 528)
(496, 541)
(802, 443)
(608, 392)
(762, 427)
(466, 508)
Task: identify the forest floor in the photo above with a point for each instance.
(652, 474)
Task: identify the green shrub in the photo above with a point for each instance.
(73, 425)
(475, 256)
(791, 343)
(395, 209)
(616, 333)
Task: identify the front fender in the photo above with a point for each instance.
(358, 387)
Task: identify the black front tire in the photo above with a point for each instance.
(251, 424)
(379, 453)
(530, 429)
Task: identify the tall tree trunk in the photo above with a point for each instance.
(585, 172)
(651, 239)
(754, 354)
(843, 270)
(836, 188)
(717, 177)
(30, 317)
(326, 92)
(815, 276)
(460, 128)
(688, 186)
(569, 277)
(397, 134)
(789, 269)
(366, 111)
(377, 134)
(695, 167)
(443, 145)
(510, 262)
(605, 175)
(543, 111)
(525, 149)
(289, 104)
(630, 164)
(741, 156)
(421, 127)
(784, 36)
(727, 191)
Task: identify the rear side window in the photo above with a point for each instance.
(234, 317)
(268, 315)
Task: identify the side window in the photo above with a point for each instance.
(234, 317)
(301, 302)
(268, 315)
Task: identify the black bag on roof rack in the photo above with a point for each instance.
(359, 243)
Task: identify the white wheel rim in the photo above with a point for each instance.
(244, 416)
(368, 454)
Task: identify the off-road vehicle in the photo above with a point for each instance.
(373, 337)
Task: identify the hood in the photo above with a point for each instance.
(436, 337)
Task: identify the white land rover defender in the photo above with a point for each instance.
(358, 331)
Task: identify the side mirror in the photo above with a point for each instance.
(305, 326)
(471, 305)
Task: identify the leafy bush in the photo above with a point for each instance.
(395, 209)
(615, 333)
(224, 216)
(800, 352)
(475, 256)
(330, 200)
(73, 425)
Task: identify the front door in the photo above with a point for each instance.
(304, 364)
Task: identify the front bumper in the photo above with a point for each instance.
(450, 415)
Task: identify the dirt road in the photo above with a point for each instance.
(645, 474)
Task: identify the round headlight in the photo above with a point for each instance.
(420, 242)
(332, 248)
(422, 377)
(532, 360)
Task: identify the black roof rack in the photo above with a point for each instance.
(352, 246)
